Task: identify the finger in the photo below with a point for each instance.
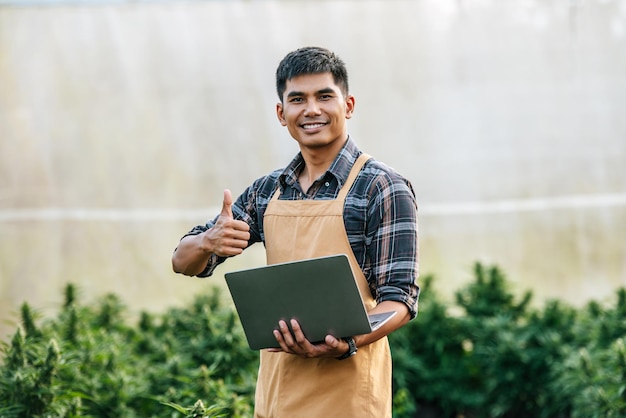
(242, 228)
(300, 339)
(286, 333)
(331, 341)
(297, 332)
(227, 204)
(280, 338)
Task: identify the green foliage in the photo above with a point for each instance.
(425, 356)
(496, 357)
(87, 362)
(595, 368)
(198, 410)
(502, 359)
(488, 296)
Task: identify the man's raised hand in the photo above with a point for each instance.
(228, 236)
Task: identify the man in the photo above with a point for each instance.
(330, 199)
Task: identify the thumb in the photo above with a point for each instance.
(226, 206)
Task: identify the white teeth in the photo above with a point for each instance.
(313, 126)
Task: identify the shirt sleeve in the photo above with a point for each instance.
(393, 251)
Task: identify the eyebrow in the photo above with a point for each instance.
(326, 90)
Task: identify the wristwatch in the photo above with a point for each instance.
(351, 349)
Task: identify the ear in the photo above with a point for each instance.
(350, 103)
(280, 114)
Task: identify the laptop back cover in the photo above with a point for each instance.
(321, 293)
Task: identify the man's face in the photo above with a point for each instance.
(315, 111)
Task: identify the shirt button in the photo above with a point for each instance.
(327, 184)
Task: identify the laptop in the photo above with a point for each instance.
(321, 293)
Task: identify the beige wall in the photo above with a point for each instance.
(121, 124)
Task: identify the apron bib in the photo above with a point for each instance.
(290, 386)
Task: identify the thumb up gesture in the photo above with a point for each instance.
(227, 205)
(228, 236)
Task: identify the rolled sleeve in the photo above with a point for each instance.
(393, 251)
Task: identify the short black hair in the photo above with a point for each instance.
(311, 60)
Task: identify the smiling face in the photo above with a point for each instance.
(315, 111)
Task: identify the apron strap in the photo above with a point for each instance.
(354, 172)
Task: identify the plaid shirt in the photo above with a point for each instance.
(380, 216)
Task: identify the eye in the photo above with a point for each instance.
(295, 100)
(326, 97)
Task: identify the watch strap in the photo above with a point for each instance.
(352, 349)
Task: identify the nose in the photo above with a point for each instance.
(312, 108)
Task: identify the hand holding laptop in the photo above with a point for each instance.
(293, 341)
(268, 296)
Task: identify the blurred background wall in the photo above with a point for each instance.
(122, 122)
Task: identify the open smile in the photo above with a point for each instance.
(313, 126)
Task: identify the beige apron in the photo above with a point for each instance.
(290, 386)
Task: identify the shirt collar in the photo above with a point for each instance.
(340, 168)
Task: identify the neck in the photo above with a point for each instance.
(316, 162)
(319, 158)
